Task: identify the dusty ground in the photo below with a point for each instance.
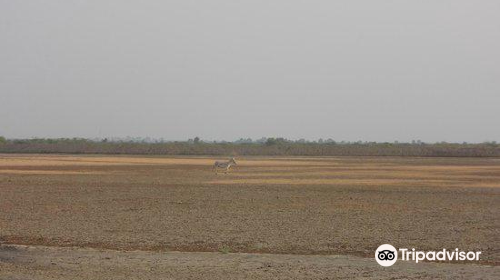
(30, 263)
(301, 206)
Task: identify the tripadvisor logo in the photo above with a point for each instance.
(387, 255)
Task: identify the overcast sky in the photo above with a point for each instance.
(348, 70)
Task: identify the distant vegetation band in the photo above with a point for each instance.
(275, 147)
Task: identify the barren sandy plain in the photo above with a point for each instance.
(137, 217)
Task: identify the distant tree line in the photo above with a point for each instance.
(264, 147)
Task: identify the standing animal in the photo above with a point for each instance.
(225, 165)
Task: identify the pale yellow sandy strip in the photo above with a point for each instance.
(48, 172)
(361, 182)
(119, 160)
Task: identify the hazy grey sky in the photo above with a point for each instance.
(348, 70)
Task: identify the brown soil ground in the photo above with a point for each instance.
(302, 206)
(44, 263)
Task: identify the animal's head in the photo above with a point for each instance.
(233, 161)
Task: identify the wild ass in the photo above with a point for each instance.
(225, 165)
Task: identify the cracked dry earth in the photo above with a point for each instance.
(131, 217)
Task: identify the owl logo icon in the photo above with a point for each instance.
(386, 255)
